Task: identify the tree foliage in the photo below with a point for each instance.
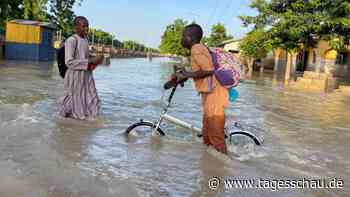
(255, 44)
(35, 10)
(102, 37)
(59, 12)
(62, 14)
(171, 38)
(296, 25)
(9, 9)
(217, 36)
(135, 46)
(299, 24)
(132, 45)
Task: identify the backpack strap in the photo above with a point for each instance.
(213, 57)
(210, 78)
(76, 45)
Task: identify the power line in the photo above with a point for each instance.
(213, 13)
(231, 16)
(229, 13)
(228, 6)
(193, 15)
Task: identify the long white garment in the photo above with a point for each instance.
(80, 100)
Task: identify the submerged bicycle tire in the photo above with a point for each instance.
(161, 132)
(143, 123)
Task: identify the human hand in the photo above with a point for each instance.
(173, 77)
(181, 74)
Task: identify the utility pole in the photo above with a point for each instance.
(93, 37)
(112, 48)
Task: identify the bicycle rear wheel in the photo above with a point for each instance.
(248, 135)
(243, 144)
(245, 134)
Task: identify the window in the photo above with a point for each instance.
(341, 58)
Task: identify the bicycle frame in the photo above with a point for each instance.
(182, 124)
(165, 116)
(198, 131)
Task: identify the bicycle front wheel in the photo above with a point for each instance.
(143, 129)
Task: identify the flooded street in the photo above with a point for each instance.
(306, 135)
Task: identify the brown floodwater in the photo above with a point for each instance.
(306, 135)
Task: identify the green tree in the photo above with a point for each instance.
(217, 36)
(100, 36)
(255, 45)
(62, 14)
(35, 10)
(335, 26)
(117, 44)
(9, 9)
(171, 38)
(296, 25)
(153, 50)
(135, 46)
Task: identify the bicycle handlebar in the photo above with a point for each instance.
(173, 83)
(175, 80)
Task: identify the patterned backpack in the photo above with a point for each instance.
(227, 67)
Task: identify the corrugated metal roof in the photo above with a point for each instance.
(232, 46)
(230, 41)
(36, 23)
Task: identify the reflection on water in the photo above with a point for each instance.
(306, 135)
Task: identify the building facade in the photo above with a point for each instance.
(29, 40)
(321, 59)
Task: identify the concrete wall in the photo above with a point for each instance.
(320, 59)
(269, 61)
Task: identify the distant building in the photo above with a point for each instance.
(321, 59)
(29, 40)
(231, 45)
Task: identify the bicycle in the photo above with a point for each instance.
(155, 127)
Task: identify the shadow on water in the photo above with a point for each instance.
(306, 136)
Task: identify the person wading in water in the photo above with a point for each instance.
(214, 96)
(80, 100)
